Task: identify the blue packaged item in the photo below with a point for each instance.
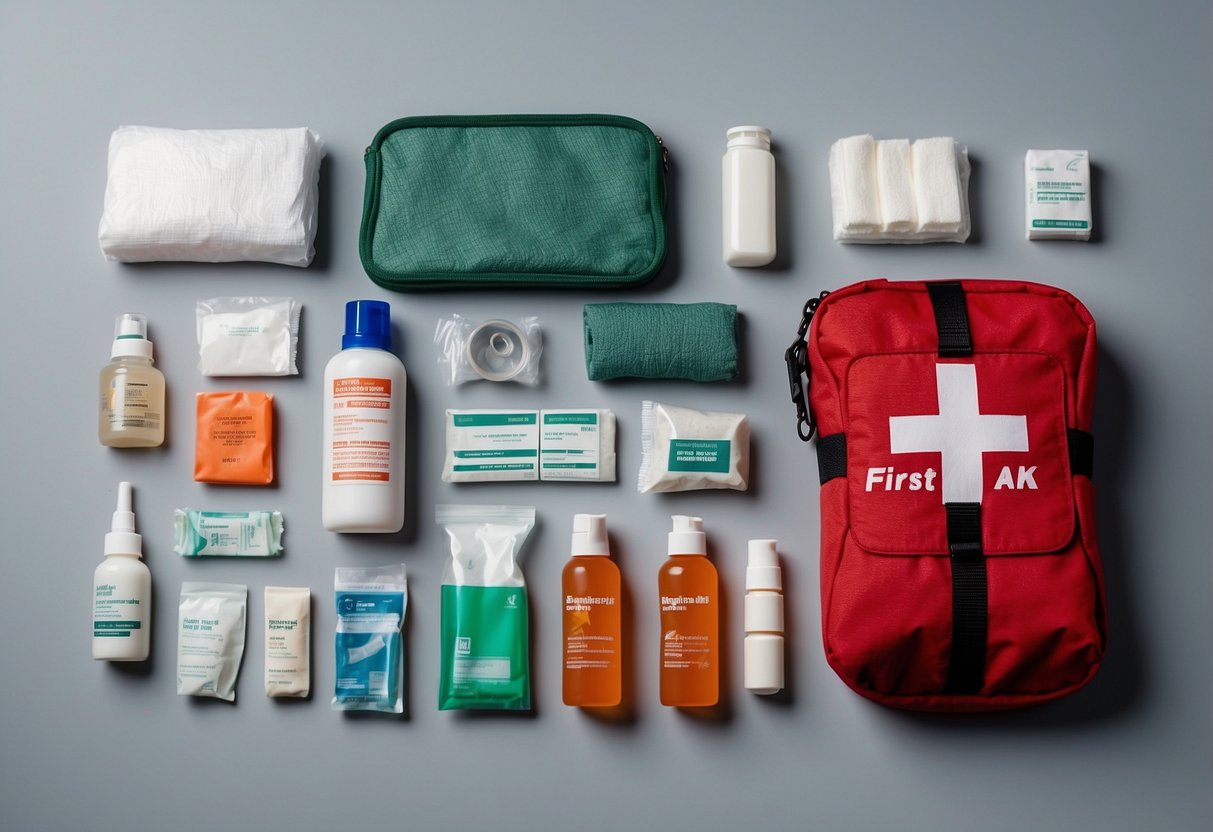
(370, 613)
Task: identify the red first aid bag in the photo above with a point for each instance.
(959, 568)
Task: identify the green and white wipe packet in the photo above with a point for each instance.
(241, 534)
(485, 616)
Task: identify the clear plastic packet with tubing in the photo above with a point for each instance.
(494, 350)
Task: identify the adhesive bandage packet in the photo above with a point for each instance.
(239, 534)
(1058, 186)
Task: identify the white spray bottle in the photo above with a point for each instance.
(122, 590)
(763, 645)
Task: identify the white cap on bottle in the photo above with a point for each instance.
(688, 537)
(748, 135)
(590, 535)
(130, 336)
(762, 569)
(121, 539)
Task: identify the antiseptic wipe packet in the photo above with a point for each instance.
(241, 534)
(210, 638)
(370, 612)
(485, 644)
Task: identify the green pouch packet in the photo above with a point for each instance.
(694, 341)
(486, 660)
(513, 200)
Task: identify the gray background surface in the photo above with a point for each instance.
(90, 746)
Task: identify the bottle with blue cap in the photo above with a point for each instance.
(364, 393)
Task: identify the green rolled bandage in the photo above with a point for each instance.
(694, 341)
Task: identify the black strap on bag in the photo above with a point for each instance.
(970, 600)
(967, 660)
(951, 319)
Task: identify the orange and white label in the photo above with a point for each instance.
(362, 430)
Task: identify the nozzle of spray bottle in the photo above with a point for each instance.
(122, 538)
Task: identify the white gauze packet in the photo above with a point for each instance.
(248, 336)
(1058, 184)
(210, 639)
(689, 450)
(288, 641)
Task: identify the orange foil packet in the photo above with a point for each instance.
(234, 442)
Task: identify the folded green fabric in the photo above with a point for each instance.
(695, 341)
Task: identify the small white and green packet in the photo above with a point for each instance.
(240, 534)
(686, 450)
(577, 445)
(491, 446)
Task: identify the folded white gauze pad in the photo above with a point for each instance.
(895, 182)
(853, 186)
(937, 185)
(211, 195)
(895, 191)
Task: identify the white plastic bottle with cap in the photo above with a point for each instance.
(132, 390)
(748, 197)
(364, 396)
(591, 590)
(122, 590)
(763, 646)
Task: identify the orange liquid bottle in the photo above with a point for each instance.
(590, 584)
(690, 620)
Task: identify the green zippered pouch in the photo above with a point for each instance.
(460, 202)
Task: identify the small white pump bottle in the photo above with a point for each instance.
(763, 645)
(749, 197)
(122, 590)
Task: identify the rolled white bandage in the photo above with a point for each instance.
(895, 182)
(937, 185)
